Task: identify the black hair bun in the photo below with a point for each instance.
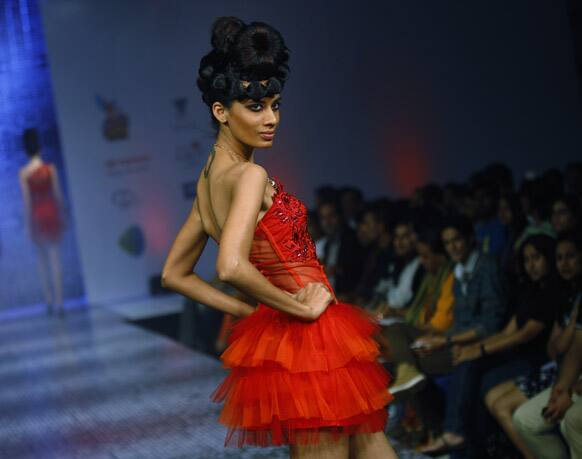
(224, 32)
(250, 52)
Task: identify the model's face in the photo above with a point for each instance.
(535, 264)
(568, 261)
(562, 217)
(456, 245)
(404, 240)
(251, 122)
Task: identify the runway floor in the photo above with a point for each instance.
(91, 385)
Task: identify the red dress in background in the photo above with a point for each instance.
(291, 379)
(46, 220)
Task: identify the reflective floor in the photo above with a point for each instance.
(92, 386)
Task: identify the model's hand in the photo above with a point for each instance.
(245, 311)
(317, 296)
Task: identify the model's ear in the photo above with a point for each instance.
(220, 112)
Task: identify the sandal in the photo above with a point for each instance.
(444, 449)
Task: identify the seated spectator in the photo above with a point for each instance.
(352, 204)
(566, 214)
(430, 311)
(558, 409)
(489, 231)
(478, 308)
(513, 220)
(342, 254)
(519, 349)
(536, 202)
(374, 235)
(405, 274)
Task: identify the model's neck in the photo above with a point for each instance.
(233, 148)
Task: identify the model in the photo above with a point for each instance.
(44, 217)
(303, 367)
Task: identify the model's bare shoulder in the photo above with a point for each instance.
(244, 174)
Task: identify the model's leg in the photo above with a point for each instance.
(327, 448)
(371, 446)
(44, 273)
(55, 265)
(541, 437)
(503, 409)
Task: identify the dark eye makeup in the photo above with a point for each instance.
(257, 106)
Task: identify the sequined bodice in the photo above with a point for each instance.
(282, 248)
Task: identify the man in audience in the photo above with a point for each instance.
(489, 230)
(404, 274)
(374, 235)
(479, 309)
(342, 254)
(352, 203)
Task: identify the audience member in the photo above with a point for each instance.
(519, 348)
(404, 275)
(430, 311)
(342, 254)
(551, 422)
(566, 214)
(352, 204)
(375, 236)
(479, 307)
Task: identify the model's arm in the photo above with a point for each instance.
(26, 201)
(233, 265)
(184, 254)
(57, 190)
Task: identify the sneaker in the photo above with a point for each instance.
(407, 378)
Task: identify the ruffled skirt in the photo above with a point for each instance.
(291, 380)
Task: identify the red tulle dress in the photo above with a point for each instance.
(290, 379)
(46, 220)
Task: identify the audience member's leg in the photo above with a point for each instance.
(502, 401)
(571, 427)
(400, 336)
(461, 392)
(437, 363)
(541, 437)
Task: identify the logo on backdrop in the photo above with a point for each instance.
(128, 165)
(116, 123)
(124, 198)
(132, 241)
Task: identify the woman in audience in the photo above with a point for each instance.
(566, 214)
(559, 408)
(431, 310)
(519, 348)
